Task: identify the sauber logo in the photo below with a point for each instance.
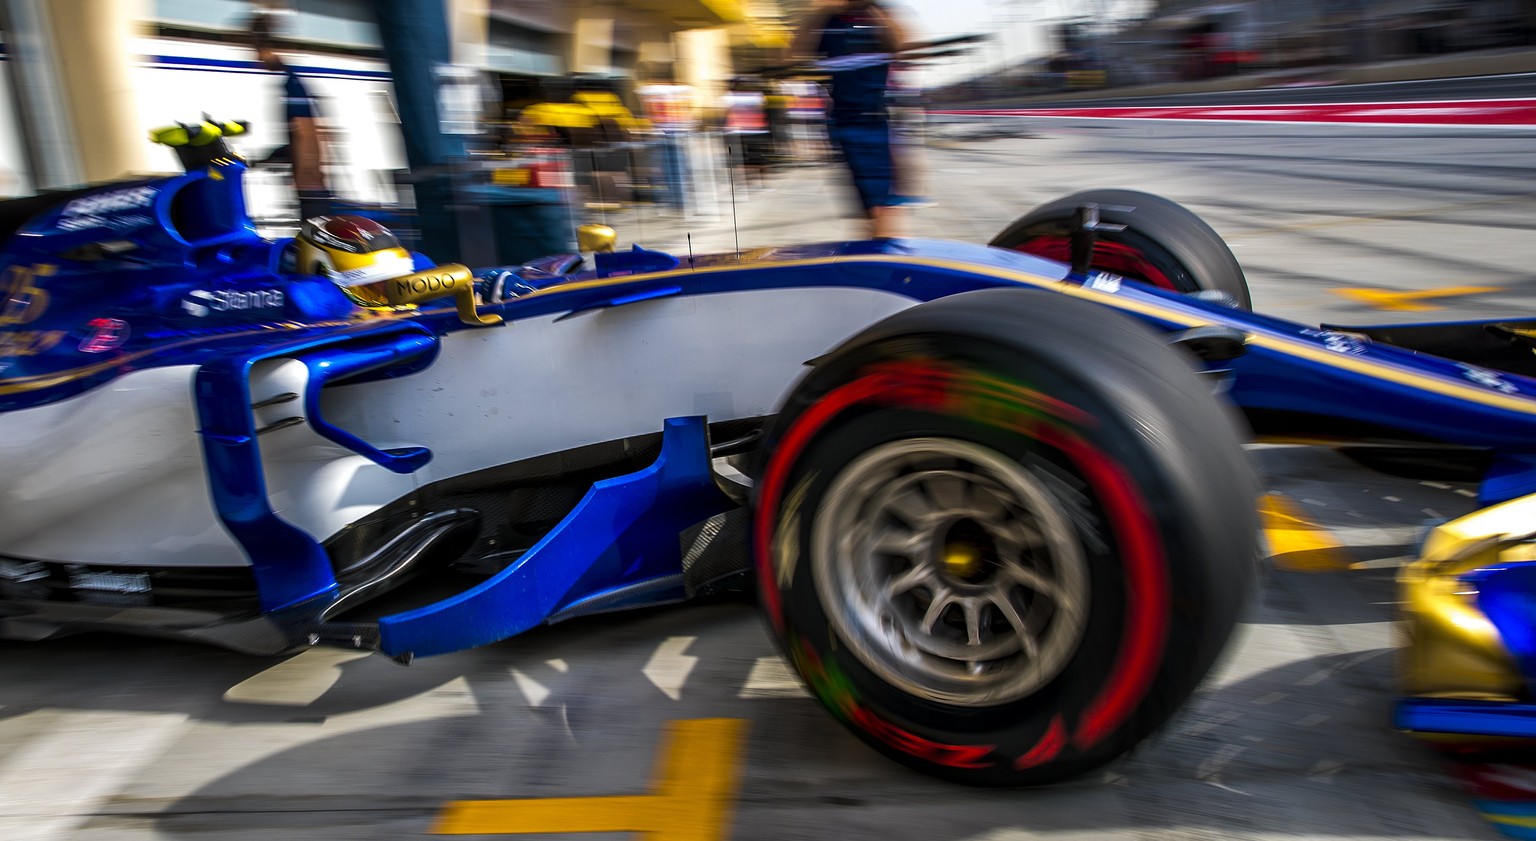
(201, 302)
(108, 202)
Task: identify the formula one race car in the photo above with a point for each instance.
(994, 498)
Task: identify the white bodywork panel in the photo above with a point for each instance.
(113, 476)
(116, 475)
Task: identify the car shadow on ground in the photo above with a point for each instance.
(1238, 763)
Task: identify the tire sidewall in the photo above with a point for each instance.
(1043, 736)
(1168, 235)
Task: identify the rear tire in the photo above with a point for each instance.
(1164, 243)
(1052, 476)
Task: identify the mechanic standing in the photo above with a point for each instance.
(858, 40)
(301, 125)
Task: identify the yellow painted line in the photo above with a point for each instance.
(1296, 543)
(1512, 820)
(1387, 299)
(697, 772)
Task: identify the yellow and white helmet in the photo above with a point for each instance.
(357, 254)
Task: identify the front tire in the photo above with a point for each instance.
(1003, 535)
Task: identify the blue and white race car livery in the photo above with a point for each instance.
(993, 498)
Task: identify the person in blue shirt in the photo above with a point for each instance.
(856, 42)
(301, 125)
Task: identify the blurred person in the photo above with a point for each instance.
(301, 124)
(807, 116)
(777, 102)
(864, 37)
(670, 109)
(746, 127)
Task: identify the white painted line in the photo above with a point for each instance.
(534, 693)
(1315, 678)
(669, 667)
(1439, 486)
(298, 681)
(1393, 498)
(54, 782)
(1466, 493)
(1430, 512)
(1324, 770)
(558, 665)
(1312, 720)
(771, 677)
(1210, 724)
(1270, 699)
(1210, 768)
(1318, 502)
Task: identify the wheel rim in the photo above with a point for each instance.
(951, 571)
(1108, 256)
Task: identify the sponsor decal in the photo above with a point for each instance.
(1487, 379)
(372, 274)
(29, 342)
(106, 334)
(109, 582)
(1104, 282)
(1337, 342)
(117, 223)
(424, 285)
(202, 302)
(22, 299)
(100, 203)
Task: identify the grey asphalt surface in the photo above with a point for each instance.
(111, 738)
(1501, 86)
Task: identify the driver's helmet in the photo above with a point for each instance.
(355, 253)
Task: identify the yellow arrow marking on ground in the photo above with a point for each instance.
(690, 799)
(1387, 299)
(1296, 543)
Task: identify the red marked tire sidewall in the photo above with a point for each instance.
(1097, 705)
(1130, 256)
(1162, 234)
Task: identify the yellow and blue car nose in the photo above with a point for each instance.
(1469, 628)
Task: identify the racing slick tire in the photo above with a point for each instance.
(1164, 243)
(1003, 535)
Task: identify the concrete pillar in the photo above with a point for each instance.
(592, 45)
(469, 29)
(92, 44)
(45, 126)
(704, 62)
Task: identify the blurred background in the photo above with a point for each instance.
(518, 115)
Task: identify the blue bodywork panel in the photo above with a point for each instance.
(1467, 718)
(623, 532)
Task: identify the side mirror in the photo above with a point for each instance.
(440, 282)
(596, 238)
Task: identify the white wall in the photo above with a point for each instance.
(15, 180)
(363, 132)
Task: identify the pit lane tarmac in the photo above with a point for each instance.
(115, 738)
(684, 723)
